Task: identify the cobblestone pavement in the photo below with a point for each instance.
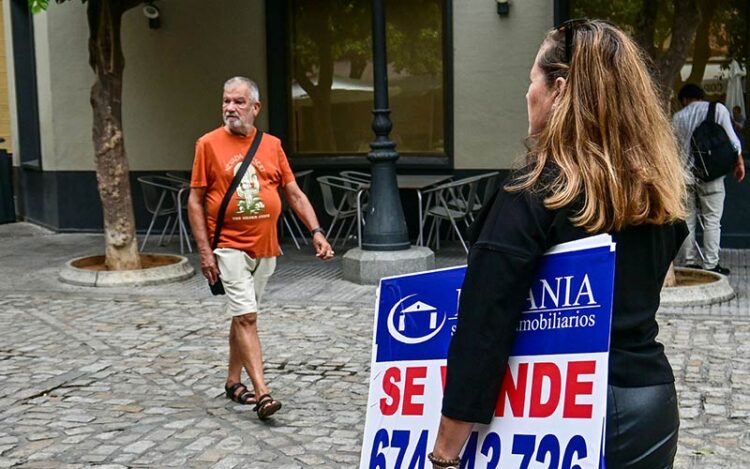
(133, 378)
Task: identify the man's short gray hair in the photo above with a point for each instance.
(254, 92)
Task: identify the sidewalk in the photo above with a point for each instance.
(128, 377)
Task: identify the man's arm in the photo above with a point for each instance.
(305, 211)
(725, 120)
(682, 135)
(197, 217)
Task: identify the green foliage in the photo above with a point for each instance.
(37, 6)
(624, 14)
(415, 36)
(620, 12)
(330, 31)
(728, 30)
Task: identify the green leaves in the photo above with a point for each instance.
(41, 5)
(38, 5)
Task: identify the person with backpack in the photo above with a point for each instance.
(710, 151)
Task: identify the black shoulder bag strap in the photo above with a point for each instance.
(711, 115)
(233, 186)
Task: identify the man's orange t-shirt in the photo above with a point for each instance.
(250, 222)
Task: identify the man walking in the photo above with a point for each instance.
(705, 198)
(245, 256)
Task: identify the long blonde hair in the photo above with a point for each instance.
(608, 140)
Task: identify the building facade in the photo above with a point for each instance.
(458, 73)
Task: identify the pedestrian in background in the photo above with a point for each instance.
(705, 199)
(602, 159)
(245, 255)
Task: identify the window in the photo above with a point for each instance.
(329, 87)
(27, 111)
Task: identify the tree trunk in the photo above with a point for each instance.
(645, 26)
(685, 22)
(320, 93)
(323, 111)
(112, 171)
(702, 48)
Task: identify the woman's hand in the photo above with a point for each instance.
(451, 437)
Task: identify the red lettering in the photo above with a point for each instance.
(443, 372)
(551, 373)
(391, 378)
(412, 389)
(574, 388)
(515, 392)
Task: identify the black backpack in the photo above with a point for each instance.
(713, 152)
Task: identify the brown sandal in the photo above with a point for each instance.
(266, 406)
(244, 396)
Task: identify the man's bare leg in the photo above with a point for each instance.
(235, 372)
(245, 351)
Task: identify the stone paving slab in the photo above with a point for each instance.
(120, 378)
(138, 383)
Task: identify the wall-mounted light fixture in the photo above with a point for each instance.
(152, 12)
(503, 7)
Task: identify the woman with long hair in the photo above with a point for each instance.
(602, 159)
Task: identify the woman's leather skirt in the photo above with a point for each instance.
(642, 427)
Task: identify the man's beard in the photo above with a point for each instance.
(235, 123)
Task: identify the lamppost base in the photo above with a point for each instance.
(368, 267)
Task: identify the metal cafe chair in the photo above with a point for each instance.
(341, 201)
(181, 176)
(487, 186)
(288, 218)
(449, 202)
(163, 197)
(357, 176)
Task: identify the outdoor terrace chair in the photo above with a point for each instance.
(486, 188)
(341, 201)
(288, 217)
(357, 176)
(165, 197)
(449, 202)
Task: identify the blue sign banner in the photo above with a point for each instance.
(416, 320)
(551, 410)
(572, 294)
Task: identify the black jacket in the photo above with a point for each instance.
(508, 240)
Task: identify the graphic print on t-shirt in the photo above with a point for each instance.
(248, 192)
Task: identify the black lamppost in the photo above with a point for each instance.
(385, 226)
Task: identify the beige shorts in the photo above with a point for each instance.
(244, 279)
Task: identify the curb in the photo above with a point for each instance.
(717, 291)
(180, 270)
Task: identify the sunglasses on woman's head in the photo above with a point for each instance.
(568, 27)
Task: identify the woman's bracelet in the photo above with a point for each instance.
(444, 463)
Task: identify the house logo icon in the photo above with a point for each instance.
(398, 326)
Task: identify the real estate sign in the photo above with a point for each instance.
(552, 406)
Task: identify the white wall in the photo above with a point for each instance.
(63, 84)
(172, 82)
(492, 59)
(10, 70)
